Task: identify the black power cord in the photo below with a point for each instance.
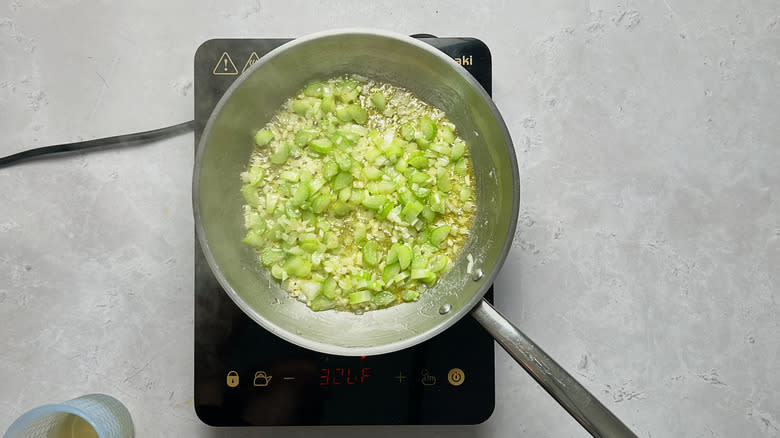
(98, 143)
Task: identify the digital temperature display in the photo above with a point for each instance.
(343, 376)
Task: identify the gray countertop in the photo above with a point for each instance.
(647, 251)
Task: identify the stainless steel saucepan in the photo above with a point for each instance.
(217, 202)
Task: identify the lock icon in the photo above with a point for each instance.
(232, 379)
(262, 379)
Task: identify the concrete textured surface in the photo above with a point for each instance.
(647, 252)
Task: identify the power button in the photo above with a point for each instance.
(456, 377)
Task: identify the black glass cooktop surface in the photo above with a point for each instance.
(246, 376)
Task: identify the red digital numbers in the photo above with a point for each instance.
(343, 376)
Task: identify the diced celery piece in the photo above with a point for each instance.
(301, 194)
(385, 210)
(407, 132)
(461, 167)
(359, 232)
(372, 173)
(306, 176)
(428, 214)
(465, 194)
(384, 298)
(297, 266)
(358, 196)
(446, 133)
(357, 113)
(321, 202)
(428, 128)
(278, 272)
(321, 302)
(419, 261)
(328, 104)
(329, 287)
(343, 114)
(394, 152)
(330, 239)
(457, 151)
(304, 136)
(374, 202)
(379, 100)
(343, 160)
(321, 145)
(439, 262)
(420, 139)
(410, 295)
(404, 256)
(418, 160)
(285, 189)
(342, 180)
(310, 245)
(420, 178)
(314, 89)
(439, 234)
(443, 181)
(310, 288)
(425, 275)
(254, 239)
(420, 191)
(437, 202)
(371, 253)
(281, 153)
(390, 272)
(360, 297)
(290, 176)
(440, 148)
(411, 210)
(341, 208)
(271, 256)
(301, 106)
(329, 169)
(345, 193)
(401, 165)
(255, 222)
(263, 137)
(290, 210)
(249, 192)
(253, 176)
(405, 196)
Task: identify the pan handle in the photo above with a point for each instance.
(581, 404)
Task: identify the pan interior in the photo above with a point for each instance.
(226, 146)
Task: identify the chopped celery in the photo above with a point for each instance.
(437, 203)
(328, 104)
(458, 149)
(290, 176)
(314, 89)
(371, 253)
(321, 202)
(281, 153)
(272, 255)
(342, 180)
(428, 128)
(255, 222)
(357, 113)
(360, 297)
(302, 107)
(253, 176)
(425, 275)
(297, 266)
(329, 169)
(379, 101)
(372, 173)
(321, 145)
(410, 295)
(421, 178)
(321, 303)
(343, 114)
(383, 298)
(446, 133)
(278, 272)
(374, 202)
(310, 245)
(345, 193)
(249, 192)
(359, 232)
(418, 160)
(390, 272)
(310, 288)
(301, 195)
(263, 137)
(439, 262)
(343, 160)
(254, 239)
(407, 132)
(304, 136)
(404, 256)
(443, 181)
(411, 210)
(439, 234)
(420, 191)
(329, 287)
(331, 240)
(341, 208)
(428, 214)
(461, 167)
(385, 210)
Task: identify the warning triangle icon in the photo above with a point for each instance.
(225, 66)
(252, 59)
